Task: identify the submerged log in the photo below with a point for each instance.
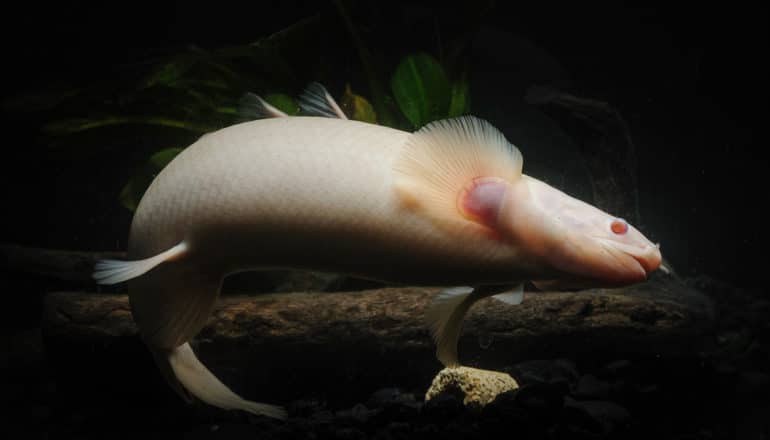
(51, 263)
(287, 344)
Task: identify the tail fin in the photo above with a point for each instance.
(117, 271)
(196, 379)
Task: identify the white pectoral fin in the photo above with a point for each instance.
(317, 101)
(444, 316)
(201, 383)
(117, 271)
(512, 297)
(439, 162)
(446, 313)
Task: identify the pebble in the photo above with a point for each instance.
(597, 415)
(444, 406)
(542, 397)
(305, 407)
(753, 384)
(389, 396)
(393, 404)
(357, 414)
(349, 433)
(589, 387)
(545, 371)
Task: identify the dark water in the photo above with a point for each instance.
(690, 83)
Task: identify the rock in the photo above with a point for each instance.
(305, 407)
(357, 414)
(393, 404)
(589, 387)
(474, 386)
(596, 415)
(618, 368)
(505, 408)
(443, 406)
(349, 434)
(752, 384)
(389, 396)
(541, 397)
(545, 371)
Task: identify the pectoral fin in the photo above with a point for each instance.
(443, 161)
(446, 313)
(512, 297)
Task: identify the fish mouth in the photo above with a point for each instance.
(637, 261)
(649, 258)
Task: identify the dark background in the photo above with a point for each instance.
(690, 81)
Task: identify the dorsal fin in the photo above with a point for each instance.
(252, 106)
(439, 161)
(317, 101)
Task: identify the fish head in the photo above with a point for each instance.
(567, 238)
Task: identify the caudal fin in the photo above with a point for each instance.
(196, 379)
(117, 271)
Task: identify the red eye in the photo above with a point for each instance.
(619, 226)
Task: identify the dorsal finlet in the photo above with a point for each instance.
(317, 101)
(438, 161)
(252, 106)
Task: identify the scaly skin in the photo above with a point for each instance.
(313, 193)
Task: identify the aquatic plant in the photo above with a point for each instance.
(196, 90)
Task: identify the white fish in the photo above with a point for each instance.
(447, 205)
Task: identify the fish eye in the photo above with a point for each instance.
(619, 226)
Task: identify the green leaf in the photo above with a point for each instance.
(76, 125)
(283, 102)
(133, 191)
(357, 107)
(136, 186)
(169, 73)
(421, 89)
(461, 99)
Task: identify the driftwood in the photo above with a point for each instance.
(51, 263)
(290, 344)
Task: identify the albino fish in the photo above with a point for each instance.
(447, 205)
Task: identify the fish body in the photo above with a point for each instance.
(311, 193)
(447, 205)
